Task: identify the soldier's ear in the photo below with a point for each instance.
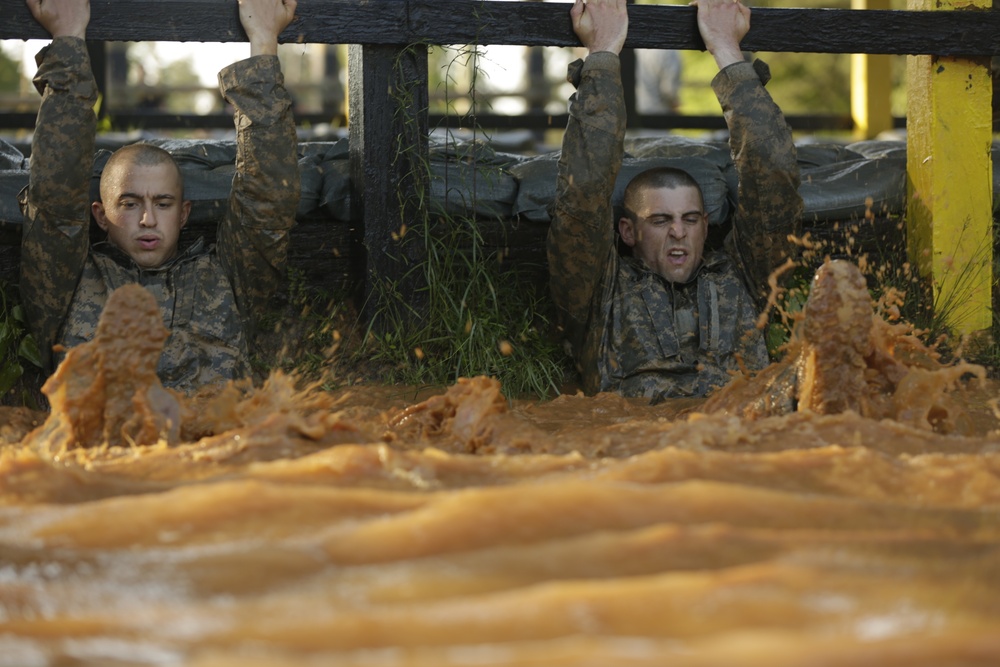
(97, 208)
(627, 230)
(185, 212)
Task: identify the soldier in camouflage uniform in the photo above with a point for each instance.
(209, 296)
(671, 320)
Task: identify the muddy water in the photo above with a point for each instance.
(287, 526)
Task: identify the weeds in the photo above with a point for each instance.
(476, 316)
(897, 290)
(308, 337)
(480, 320)
(17, 349)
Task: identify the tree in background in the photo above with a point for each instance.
(10, 74)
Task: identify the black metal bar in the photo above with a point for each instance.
(967, 32)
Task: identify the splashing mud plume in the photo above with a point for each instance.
(841, 508)
(844, 357)
(107, 391)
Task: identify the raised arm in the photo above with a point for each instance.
(253, 237)
(601, 25)
(581, 237)
(263, 21)
(723, 24)
(62, 18)
(769, 208)
(56, 203)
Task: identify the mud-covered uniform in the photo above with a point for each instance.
(210, 296)
(633, 331)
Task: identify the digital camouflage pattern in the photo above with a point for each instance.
(210, 297)
(632, 331)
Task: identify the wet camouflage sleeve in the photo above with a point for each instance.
(253, 238)
(56, 203)
(581, 237)
(770, 208)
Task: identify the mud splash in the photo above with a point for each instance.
(844, 357)
(815, 514)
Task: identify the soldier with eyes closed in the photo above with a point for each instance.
(670, 318)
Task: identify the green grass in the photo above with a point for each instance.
(476, 315)
(480, 318)
(898, 293)
(20, 360)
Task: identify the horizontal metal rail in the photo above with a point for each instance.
(399, 22)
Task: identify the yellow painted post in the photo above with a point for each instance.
(950, 179)
(871, 85)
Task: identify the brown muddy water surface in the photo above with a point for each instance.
(825, 517)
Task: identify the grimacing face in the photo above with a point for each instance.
(143, 211)
(669, 231)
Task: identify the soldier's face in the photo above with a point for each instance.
(143, 211)
(669, 231)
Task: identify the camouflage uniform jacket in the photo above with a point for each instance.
(632, 331)
(209, 296)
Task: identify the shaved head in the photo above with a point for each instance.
(665, 223)
(136, 155)
(142, 205)
(657, 177)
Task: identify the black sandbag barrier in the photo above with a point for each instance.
(13, 177)
(335, 197)
(819, 154)
(12, 181)
(675, 146)
(314, 161)
(536, 181)
(874, 149)
(838, 183)
(854, 189)
(470, 178)
(11, 158)
(510, 194)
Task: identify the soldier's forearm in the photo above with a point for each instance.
(63, 142)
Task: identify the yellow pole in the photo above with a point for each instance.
(871, 85)
(950, 180)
